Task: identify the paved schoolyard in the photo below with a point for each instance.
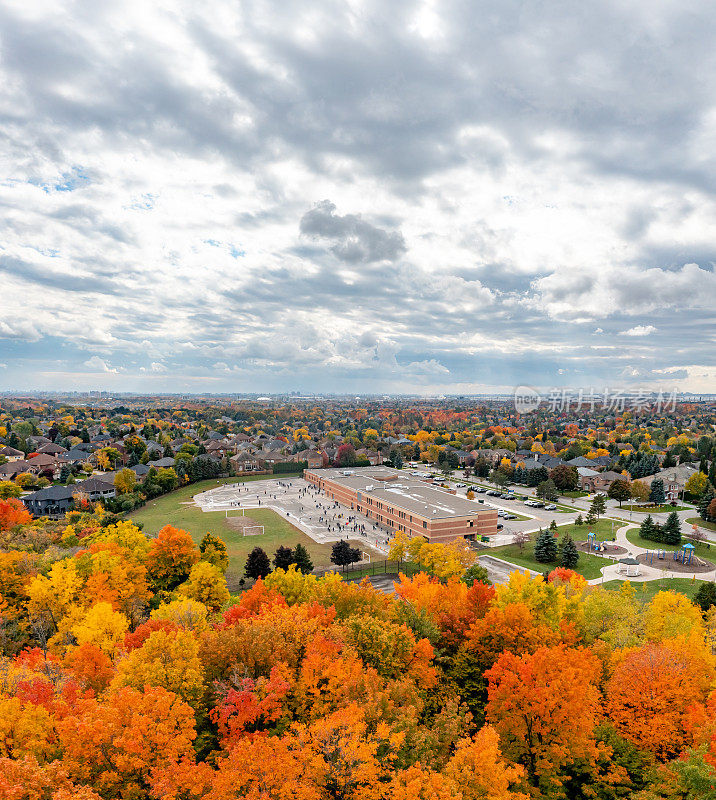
(305, 506)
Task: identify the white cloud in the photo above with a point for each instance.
(640, 330)
(474, 231)
(97, 364)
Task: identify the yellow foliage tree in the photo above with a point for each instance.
(187, 613)
(207, 584)
(169, 659)
(102, 627)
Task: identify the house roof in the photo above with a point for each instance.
(51, 493)
(162, 462)
(94, 485)
(51, 449)
(581, 461)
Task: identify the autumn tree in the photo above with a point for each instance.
(207, 584)
(545, 707)
(168, 660)
(13, 513)
(213, 550)
(171, 557)
(648, 697)
(619, 490)
(125, 481)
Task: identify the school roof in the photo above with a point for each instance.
(402, 490)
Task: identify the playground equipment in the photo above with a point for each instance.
(660, 554)
(591, 541)
(684, 555)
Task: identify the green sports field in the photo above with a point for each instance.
(175, 509)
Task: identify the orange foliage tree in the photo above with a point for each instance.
(545, 706)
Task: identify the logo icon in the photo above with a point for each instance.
(526, 399)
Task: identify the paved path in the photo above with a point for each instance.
(648, 573)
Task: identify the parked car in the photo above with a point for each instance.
(510, 516)
(550, 507)
(500, 526)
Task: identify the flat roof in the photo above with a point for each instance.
(403, 491)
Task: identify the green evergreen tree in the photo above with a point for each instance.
(545, 547)
(568, 553)
(302, 559)
(712, 471)
(672, 529)
(656, 492)
(283, 558)
(703, 502)
(647, 529)
(553, 527)
(598, 506)
(257, 564)
(579, 520)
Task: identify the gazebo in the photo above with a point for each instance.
(629, 565)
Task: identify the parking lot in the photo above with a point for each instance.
(537, 517)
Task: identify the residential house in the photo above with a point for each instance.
(12, 469)
(51, 449)
(592, 481)
(11, 454)
(53, 501)
(41, 464)
(96, 488)
(245, 462)
(674, 479)
(162, 463)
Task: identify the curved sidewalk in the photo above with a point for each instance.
(648, 573)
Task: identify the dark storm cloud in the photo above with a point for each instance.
(354, 239)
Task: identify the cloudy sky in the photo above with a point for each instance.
(357, 196)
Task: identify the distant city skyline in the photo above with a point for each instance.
(358, 198)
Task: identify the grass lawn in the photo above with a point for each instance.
(663, 509)
(645, 590)
(602, 528)
(710, 526)
(590, 566)
(701, 549)
(168, 510)
(575, 493)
